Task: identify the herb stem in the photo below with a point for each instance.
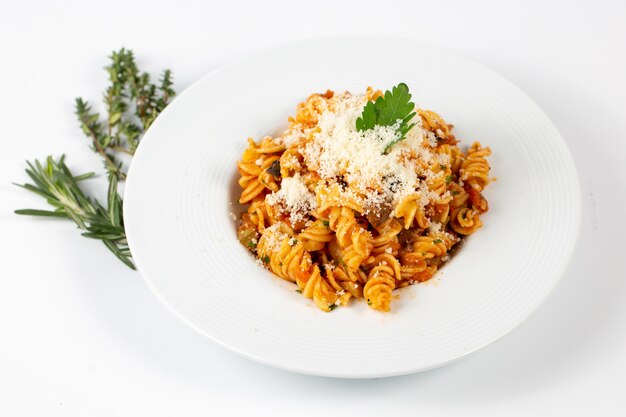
(122, 150)
(111, 166)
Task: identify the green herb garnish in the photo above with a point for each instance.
(299, 291)
(342, 263)
(332, 306)
(274, 169)
(437, 241)
(325, 223)
(448, 179)
(130, 90)
(387, 110)
(132, 103)
(266, 259)
(56, 183)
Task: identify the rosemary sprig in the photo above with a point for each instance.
(56, 183)
(132, 103)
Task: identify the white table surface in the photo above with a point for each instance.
(81, 335)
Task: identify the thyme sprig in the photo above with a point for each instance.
(132, 103)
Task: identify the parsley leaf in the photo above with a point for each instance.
(369, 117)
(394, 106)
(332, 306)
(266, 259)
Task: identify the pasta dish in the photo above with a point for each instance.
(361, 195)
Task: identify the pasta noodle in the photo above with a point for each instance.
(331, 210)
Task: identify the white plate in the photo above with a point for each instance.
(183, 180)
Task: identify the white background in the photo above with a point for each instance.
(82, 335)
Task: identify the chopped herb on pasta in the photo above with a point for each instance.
(352, 203)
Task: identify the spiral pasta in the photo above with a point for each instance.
(333, 211)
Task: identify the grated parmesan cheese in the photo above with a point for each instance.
(432, 139)
(434, 228)
(291, 162)
(293, 198)
(294, 135)
(438, 229)
(339, 152)
(273, 237)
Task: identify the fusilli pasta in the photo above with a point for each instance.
(328, 210)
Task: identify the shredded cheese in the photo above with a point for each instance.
(273, 237)
(293, 198)
(338, 152)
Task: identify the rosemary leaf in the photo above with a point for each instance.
(42, 213)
